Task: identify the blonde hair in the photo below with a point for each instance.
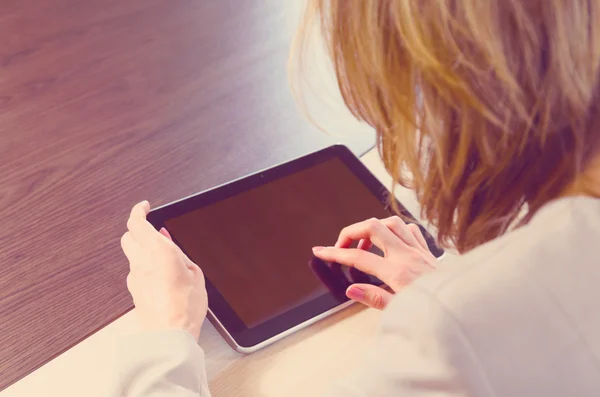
(484, 107)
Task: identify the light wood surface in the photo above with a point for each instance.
(296, 366)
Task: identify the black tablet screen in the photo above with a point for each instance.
(255, 247)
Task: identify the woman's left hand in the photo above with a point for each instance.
(406, 257)
(168, 289)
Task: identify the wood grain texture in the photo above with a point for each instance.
(104, 103)
(286, 368)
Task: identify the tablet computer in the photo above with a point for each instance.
(253, 239)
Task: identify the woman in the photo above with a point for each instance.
(488, 109)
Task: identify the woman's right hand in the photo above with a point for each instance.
(406, 257)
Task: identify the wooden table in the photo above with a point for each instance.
(104, 103)
(301, 365)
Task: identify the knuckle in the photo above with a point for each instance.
(396, 220)
(345, 231)
(413, 227)
(393, 223)
(130, 223)
(377, 301)
(373, 224)
(129, 281)
(125, 239)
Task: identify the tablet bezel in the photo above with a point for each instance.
(243, 337)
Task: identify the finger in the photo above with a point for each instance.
(165, 233)
(191, 265)
(188, 263)
(416, 231)
(401, 230)
(141, 230)
(371, 229)
(353, 257)
(369, 295)
(129, 246)
(364, 244)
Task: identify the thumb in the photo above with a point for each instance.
(369, 295)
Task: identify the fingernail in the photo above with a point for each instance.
(165, 233)
(355, 293)
(317, 249)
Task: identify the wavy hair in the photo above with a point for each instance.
(486, 108)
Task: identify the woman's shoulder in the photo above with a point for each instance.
(516, 303)
(560, 242)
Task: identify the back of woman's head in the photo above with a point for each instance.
(484, 107)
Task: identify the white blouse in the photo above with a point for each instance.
(519, 316)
